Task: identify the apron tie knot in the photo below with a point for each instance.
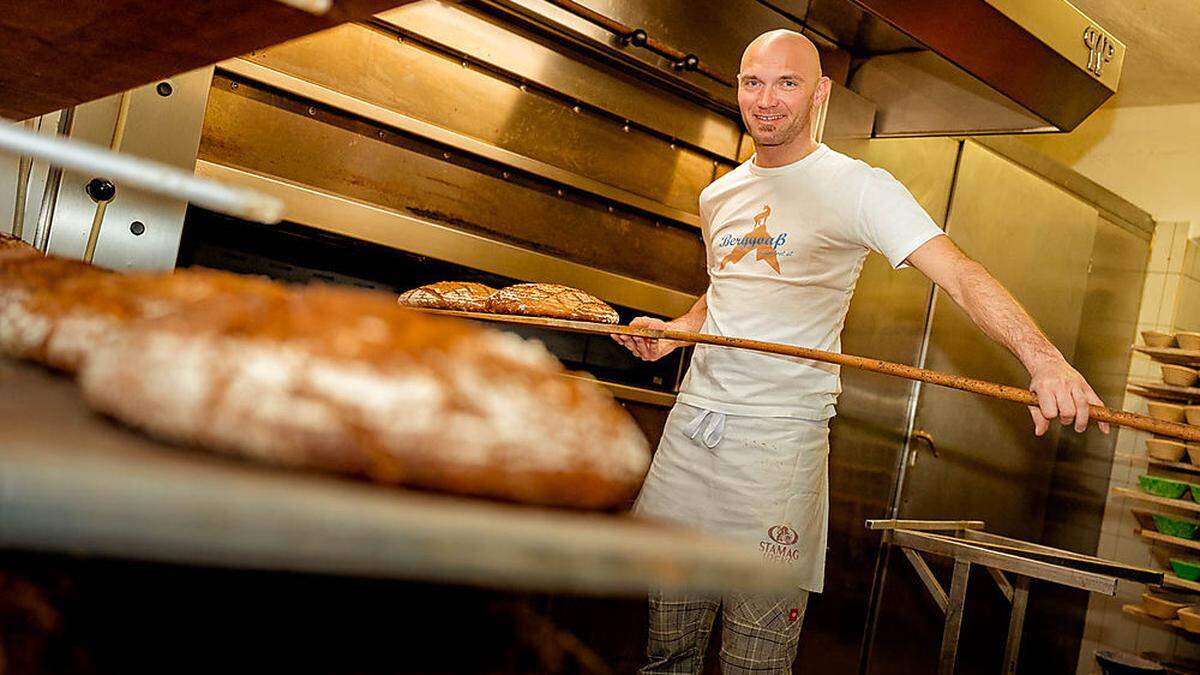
(713, 432)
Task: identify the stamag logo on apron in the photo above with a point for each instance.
(781, 548)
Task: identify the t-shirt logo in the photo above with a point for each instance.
(758, 240)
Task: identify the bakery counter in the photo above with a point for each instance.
(75, 483)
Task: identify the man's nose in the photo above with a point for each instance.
(766, 98)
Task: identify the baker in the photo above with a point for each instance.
(745, 449)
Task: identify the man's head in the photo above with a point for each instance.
(780, 86)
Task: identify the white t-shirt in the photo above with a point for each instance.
(785, 248)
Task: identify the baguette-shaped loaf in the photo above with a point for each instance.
(551, 300)
(347, 381)
(463, 296)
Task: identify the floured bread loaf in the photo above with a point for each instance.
(464, 296)
(347, 381)
(552, 300)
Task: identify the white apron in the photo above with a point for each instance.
(759, 480)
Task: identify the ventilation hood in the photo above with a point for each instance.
(971, 66)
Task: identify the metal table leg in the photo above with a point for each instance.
(1016, 624)
(954, 616)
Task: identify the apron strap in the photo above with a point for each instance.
(713, 432)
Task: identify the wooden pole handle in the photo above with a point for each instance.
(1001, 391)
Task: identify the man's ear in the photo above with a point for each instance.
(822, 93)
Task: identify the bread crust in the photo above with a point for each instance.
(551, 300)
(462, 296)
(13, 248)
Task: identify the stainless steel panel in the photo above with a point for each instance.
(589, 146)
(1033, 237)
(37, 182)
(165, 128)
(1108, 327)
(467, 31)
(1037, 239)
(886, 320)
(849, 115)
(10, 181)
(94, 122)
(921, 94)
(1113, 207)
(1079, 488)
(278, 136)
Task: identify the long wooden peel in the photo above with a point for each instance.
(1000, 391)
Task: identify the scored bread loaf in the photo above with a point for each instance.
(551, 300)
(463, 296)
(346, 380)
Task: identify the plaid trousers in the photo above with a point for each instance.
(759, 633)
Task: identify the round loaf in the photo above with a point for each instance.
(463, 296)
(347, 381)
(551, 300)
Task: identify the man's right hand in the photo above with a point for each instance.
(648, 349)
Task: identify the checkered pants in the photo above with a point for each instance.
(759, 633)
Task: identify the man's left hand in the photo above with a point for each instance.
(1064, 394)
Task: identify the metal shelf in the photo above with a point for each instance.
(73, 482)
(1185, 504)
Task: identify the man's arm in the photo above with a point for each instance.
(1062, 392)
(648, 349)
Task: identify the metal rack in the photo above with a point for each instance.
(967, 544)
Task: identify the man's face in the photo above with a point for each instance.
(775, 94)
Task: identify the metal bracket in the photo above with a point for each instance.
(926, 575)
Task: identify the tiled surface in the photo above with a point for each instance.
(1170, 302)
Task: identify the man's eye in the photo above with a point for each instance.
(750, 83)
(789, 84)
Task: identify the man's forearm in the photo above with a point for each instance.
(694, 319)
(1002, 318)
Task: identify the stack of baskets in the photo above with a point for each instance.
(1176, 398)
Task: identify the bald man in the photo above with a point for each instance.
(744, 452)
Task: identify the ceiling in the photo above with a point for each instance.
(1161, 67)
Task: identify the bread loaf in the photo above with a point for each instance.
(324, 378)
(551, 300)
(463, 296)
(347, 381)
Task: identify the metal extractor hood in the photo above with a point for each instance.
(970, 66)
